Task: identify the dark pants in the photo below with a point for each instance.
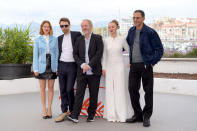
(138, 72)
(93, 82)
(67, 75)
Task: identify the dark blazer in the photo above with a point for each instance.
(95, 53)
(74, 35)
(150, 45)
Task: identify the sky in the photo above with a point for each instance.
(27, 11)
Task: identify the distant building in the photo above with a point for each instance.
(125, 25)
(176, 33)
(103, 31)
(176, 29)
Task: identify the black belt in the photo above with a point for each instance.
(62, 62)
(138, 63)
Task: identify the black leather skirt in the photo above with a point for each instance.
(48, 74)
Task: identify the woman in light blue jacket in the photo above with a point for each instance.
(45, 60)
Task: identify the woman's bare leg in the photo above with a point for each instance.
(50, 95)
(43, 96)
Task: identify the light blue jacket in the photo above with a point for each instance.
(39, 54)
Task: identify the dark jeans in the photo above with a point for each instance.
(138, 72)
(67, 75)
(93, 82)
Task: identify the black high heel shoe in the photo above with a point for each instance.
(44, 117)
(49, 117)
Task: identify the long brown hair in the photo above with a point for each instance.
(41, 30)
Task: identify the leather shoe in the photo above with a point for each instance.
(89, 119)
(61, 117)
(134, 119)
(146, 122)
(74, 120)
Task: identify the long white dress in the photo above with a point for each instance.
(117, 106)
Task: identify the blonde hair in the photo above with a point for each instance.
(115, 22)
(41, 30)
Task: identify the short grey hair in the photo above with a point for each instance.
(89, 21)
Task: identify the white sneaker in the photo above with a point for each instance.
(72, 119)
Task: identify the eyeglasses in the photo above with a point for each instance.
(62, 26)
(137, 18)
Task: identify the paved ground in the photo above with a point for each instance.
(22, 112)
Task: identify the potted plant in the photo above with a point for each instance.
(16, 53)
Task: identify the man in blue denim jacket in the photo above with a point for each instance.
(145, 51)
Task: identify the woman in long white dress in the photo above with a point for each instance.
(117, 106)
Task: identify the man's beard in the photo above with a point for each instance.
(86, 32)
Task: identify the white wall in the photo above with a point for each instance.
(177, 86)
(163, 85)
(21, 86)
(174, 65)
(177, 65)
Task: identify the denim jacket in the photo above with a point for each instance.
(151, 47)
(39, 54)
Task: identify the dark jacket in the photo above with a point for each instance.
(151, 47)
(95, 53)
(74, 35)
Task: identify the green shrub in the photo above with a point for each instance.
(176, 55)
(192, 54)
(16, 46)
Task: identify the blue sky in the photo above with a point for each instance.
(27, 11)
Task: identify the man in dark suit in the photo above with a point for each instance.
(67, 67)
(87, 53)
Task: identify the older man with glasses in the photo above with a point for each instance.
(67, 67)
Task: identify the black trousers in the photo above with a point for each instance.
(93, 82)
(67, 75)
(138, 72)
